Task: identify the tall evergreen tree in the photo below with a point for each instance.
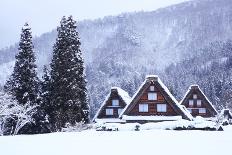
(23, 83)
(68, 81)
(45, 88)
(45, 105)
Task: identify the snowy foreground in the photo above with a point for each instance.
(144, 142)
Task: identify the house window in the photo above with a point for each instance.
(115, 103)
(152, 88)
(161, 108)
(119, 111)
(152, 96)
(202, 110)
(198, 103)
(190, 110)
(194, 96)
(190, 103)
(143, 107)
(109, 111)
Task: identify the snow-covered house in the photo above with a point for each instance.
(112, 106)
(153, 102)
(197, 103)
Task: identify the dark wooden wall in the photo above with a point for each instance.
(204, 104)
(122, 104)
(152, 105)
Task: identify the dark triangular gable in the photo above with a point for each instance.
(176, 108)
(115, 93)
(195, 89)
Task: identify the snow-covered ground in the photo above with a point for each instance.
(144, 142)
(197, 123)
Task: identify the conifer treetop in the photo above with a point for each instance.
(23, 83)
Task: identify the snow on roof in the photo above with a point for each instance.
(123, 94)
(193, 85)
(140, 87)
(185, 94)
(189, 89)
(152, 76)
(103, 103)
(156, 78)
(152, 118)
(185, 111)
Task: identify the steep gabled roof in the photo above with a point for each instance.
(166, 93)
(196, 87)
(121, 93)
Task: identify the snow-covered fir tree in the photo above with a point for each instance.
(45, 88)
(68, 83)
(23, 83)
(45, 107)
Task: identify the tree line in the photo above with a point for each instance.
(211, 69)
(29, 105)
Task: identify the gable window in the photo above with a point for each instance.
(119, 111)
(202, 110)
(198, 103)
(152, 88)
(190, 110)
(152, 96)
(143, 107)
(109, 111)
(161, 108)
(190, 103)
(115, 102)
(194, 96)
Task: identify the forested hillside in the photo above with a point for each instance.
(178, 43)
(211, 68)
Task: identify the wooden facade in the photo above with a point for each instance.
(154, 99)
(113, 105)
(152, 104)
(197, 103)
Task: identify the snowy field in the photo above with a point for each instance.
(144, 142)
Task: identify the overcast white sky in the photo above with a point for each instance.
(44, 15)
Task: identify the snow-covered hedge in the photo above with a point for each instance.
(77, 127)
(198, 123)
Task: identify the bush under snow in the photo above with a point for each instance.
(13, 116)
(198, 123)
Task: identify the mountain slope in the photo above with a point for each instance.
(172, 31)
(211, 70)
(121, 50)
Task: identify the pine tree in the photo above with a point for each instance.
(68, 81)
(45, 90)
(46, 107)
(23, 83)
